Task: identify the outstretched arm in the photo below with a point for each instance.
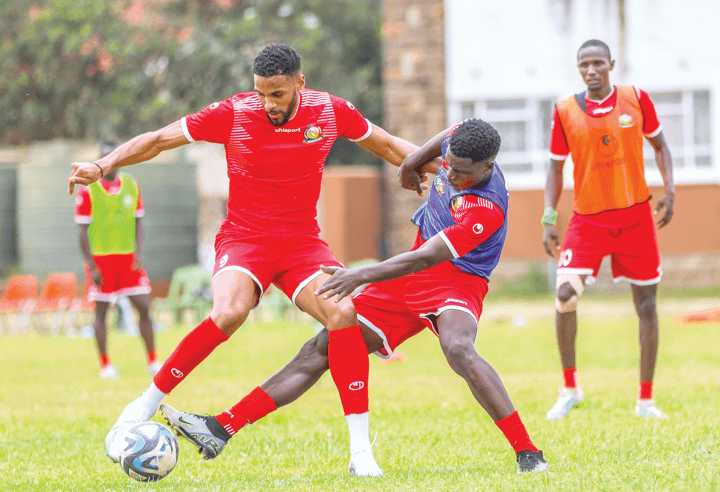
(344, 282)
(664, 164)
(140, 149)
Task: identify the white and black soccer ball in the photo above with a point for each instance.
(149, 451)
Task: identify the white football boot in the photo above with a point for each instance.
(139, 410)
(154, 367)
(647, 408)
(569, 398)
(109, 372)
(363, 464)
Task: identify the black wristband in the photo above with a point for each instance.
(101, 171)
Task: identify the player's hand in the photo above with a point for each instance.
(342, 283)
(411, 178)
(550, 235)
(82, 173)
(96, 276)
(137, 262)
(668, 203)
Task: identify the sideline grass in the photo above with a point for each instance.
(55, 411)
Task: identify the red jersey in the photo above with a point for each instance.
(275, 171)
(83, 204)
(559, 149)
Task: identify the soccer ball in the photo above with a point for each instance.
(150, 451)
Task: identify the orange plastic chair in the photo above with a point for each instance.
(58, 292)
(18, 301)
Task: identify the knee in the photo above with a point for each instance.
(230, 316)
(569, 290)
(646, 308)
(458, 352)
(315, 349)
(343, 315)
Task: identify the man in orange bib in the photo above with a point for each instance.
(603, 129)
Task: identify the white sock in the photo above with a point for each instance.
(359, 425)
(151, 398)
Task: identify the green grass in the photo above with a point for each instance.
(433, 436)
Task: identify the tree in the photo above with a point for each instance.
(89, 69)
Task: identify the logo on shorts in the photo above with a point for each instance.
(176, 373)
(214, 105)
(223, 260)
(455, 300)
(478, 228)
(356, 386)
(439, 185)
(313, 133)
(565, 258)
(350, 105)
(625, 120)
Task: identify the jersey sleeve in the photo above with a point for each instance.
(351, 124)
(140, 208)
(651, 124)
(477, 219)
(83, 206)
(212, 124)
(559, 149)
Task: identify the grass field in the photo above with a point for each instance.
(432, 436)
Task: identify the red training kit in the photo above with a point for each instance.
(349, 367)
(191, 351)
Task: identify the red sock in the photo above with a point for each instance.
(104, 359)
(570, 376)
(191, 351)
(645, 390)
(250, 409)
(151, 356)
(349, 367)
(514, 431)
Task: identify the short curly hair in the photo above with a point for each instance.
(276, 59)
(475, 139)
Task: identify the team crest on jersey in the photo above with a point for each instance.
(439, 185)
(313, 133)
(626, 121)
(456, 203)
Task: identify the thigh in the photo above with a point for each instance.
(141, 302)
(331, 314)
(300, 265)
(636, 256)
(381, 308)
(584, 246)
(253, 256)
(456, 326)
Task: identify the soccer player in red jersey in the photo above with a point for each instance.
(603, 129)
(276, 140)
(440, 284)
(109, 215)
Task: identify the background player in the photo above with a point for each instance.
(276, 141)
(603, 129)
(109, 213)
(462, 230)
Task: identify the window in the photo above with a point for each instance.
(685, 118)
(524, 125)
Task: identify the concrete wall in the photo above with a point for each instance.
(48, 237)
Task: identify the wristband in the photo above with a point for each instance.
(549, 217)
(101, 171)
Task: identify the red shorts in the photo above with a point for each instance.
(633, 248)
(118, 278)
(288, 262)
(399, 309)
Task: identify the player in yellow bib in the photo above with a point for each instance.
(109, 214)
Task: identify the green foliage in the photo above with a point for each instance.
(87, 69)
(533, 282)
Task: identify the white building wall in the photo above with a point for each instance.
(526, 49)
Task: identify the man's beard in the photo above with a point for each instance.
(286, 114)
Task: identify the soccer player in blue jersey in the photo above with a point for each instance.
(440, 284)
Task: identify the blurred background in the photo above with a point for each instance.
(76, 72)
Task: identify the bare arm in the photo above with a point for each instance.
(140, 149)
(87, 254)
(663, 159)
(409, 174)
(344, 282)
(139, 240)
(553, 189)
